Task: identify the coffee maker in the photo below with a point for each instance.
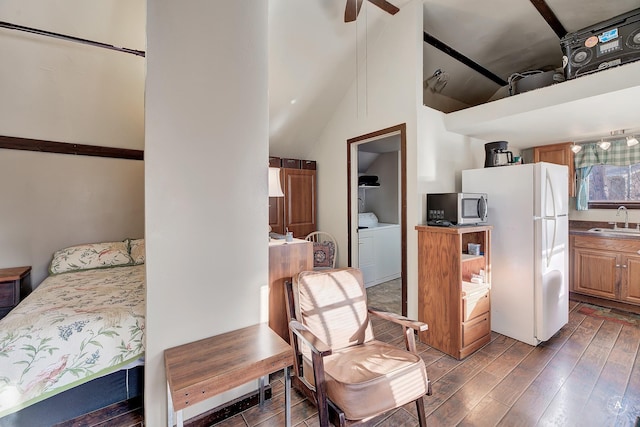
(496, 154)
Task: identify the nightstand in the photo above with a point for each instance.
(14, 282)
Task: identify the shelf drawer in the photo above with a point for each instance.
(475, 329)
(9, 294)
(475, 305)
(275, 162)
(291, 163)
(308, 164)
(607, 243)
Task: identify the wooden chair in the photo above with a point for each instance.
(325, 250)
(351, 377)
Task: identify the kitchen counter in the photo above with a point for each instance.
(604, 266)
(581, 228)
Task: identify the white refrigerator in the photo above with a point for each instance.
(528, 209)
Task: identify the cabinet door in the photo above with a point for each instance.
(595, 273)
(630, 271)
(300, 201)
(560, 154)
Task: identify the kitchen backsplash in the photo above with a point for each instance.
(606, 215)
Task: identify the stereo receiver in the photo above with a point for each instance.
(607, 44)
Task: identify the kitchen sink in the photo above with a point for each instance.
(617, 231)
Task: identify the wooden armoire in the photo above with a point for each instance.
(296, 211)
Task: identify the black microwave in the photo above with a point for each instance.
(456, 208)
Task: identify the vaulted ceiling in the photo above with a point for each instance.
(312, 51)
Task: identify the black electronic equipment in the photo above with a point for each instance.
(604, 45)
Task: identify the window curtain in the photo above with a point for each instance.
(582, 197)
(619, 154)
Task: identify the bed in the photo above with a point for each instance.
(78, 334)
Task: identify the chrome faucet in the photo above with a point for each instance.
(626, 215)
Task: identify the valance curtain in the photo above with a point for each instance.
(619, 154)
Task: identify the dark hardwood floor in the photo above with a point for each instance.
(588, 374)
(124, 414)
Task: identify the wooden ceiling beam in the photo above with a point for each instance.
(545, 11)
(429, 39)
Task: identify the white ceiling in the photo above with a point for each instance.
(312, 53)
(312, 62)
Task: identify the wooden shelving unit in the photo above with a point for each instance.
(457, 310)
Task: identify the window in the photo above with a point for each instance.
(611, 186)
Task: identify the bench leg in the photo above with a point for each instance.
(171, 412)
(261, 382)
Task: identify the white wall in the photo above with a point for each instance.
(435, 157)
(206, 178)
(63, 91)
(51, 201)
(67, 92)
(389, 98)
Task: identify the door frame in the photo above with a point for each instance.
(352, 183)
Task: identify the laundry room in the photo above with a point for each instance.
(379, 236)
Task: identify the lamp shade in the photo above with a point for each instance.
(275, 189)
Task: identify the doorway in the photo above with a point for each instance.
(379, 143)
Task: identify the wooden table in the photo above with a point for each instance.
(202, 369)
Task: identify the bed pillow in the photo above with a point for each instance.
(137, 251)
(89, 256)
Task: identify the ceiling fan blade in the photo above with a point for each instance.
(352, 9)
(386, 6)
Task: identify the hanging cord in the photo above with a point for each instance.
(366, 64)
(366, 59)
(357, 70)
(70, 38)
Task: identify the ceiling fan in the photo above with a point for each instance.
(353, 8)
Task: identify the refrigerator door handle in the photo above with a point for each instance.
(553, 196)
(553, 217)
(553, 239)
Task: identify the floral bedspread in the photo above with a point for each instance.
(73, 328)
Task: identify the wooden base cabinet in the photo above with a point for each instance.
(285, 261)
(457, 311)
(607, 268)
